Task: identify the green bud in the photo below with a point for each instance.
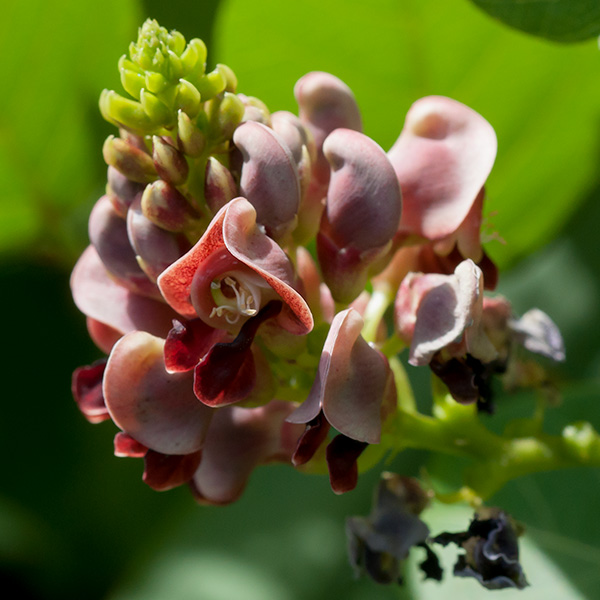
(167, 208)
(132, 82)
(170, 163)
(155, 82)
(230, 78)
(188, 98)
(224, 116)
(132, 162)
(123, 112)
(190, 138)
(211, 84)
(158, 112)
(193, 57)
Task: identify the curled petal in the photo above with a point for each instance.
(165, 471)
(240, 439)
(125, 445)
(156, 408)
(351, 383)
(187, 343)
(227, 373)
(86, 386)
(269, 179)
(326, 103)
(442, 159)
(434, 311)
(108, 234)
(233, 239)
(537, 333)
(363, 202)
(342, 454)
(99, 297)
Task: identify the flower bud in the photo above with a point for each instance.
(170, 163)
(230, 78)
(219, 186)
(269, 178)
(108, 234)
(132, 162)
(166, 207)
(255, 110)
(155, 248)
(158, 112)
(122, 191)
(362, 212)
(190, 138)
(224, 116)
(212, 84)
(187, 98)
(123, 112)
(326, 103)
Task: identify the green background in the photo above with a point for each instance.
(76, 522)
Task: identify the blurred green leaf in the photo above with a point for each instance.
(541, 99)
(64, 53)
(558, 20)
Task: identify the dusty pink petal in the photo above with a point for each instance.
(269, 179)
(434, 311)
(233, 241)
(442, 159)
(351, 382)
(188, 342)
(155, 407)
(99, 297)
(104, 336)
(363, 202)
(86, 386)
(126, 446)
(326, 103)
(239, 440)
(165, 471)
(536, 332)
(108, 234)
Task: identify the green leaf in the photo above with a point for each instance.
(541, 99)
(558, 20)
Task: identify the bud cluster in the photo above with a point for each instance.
(229, 344)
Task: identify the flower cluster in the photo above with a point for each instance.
(241, 268)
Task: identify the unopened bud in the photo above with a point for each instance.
(190, 138)
(170, 163)
(132, 162)
(269, 178)
(224, 116)
(155, 248)
(158, 112)
(219, 186)
(255, 110)
(124, 112)
(230, 77)
(166, 207)
(326, 103)
(122, 191)
(212, 83)
(188, 98)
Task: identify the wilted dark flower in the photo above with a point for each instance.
(491, 550)
(378, 544)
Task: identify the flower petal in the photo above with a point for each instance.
(156, 408)
(98, 296)
(240, 439)
(442, 159)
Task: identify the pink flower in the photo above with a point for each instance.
(353, 392)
